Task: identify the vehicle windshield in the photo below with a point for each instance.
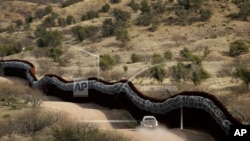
(150, 118)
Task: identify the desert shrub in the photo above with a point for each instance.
(135, 58)
(158, 72)
(199, 75)
(49, 38)
(144, 19)
(9, 49)
(205, 14)
(182, 14)
(90, 15)
(206, 52)
(70, 20)
(157, 58)
(54, 53)
(134, 5)
(238, 1)
(106, 62)
(121, 15)
(108, 27)
(115, 1)
(243, 73)
(79, 32)
(125, 68)
(69, 2)
(181, 72)
(40, 31)
(154, 26)
(117, 59)
(122, 36)
(61, 22)
(167, 55)
(105, 8)
(244, 12)
(187, 4)
(145, 8)
(19, 23)
(42, 12)
(237, 48)
(50, 20)
(186, 54)
(85, 32)
(28, 19)
(159, 7)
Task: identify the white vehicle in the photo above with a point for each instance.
(149, 122)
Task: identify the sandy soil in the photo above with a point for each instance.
(83, 112)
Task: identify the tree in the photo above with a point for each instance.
(135, 58)
(237, 48)
(243, 73)
(168, 55)
(50, 20)
(106, 62)
(54, 53)
(108, 27)
(158, 73)
(157, 58)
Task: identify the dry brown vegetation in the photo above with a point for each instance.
(216, 34)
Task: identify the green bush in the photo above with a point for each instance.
(54, 53)
(61, 22)
(186, 54)
(117, 59)
(159, 7)
(90, 15)
(105, 8)
(182, 14)
(158, 72)
(48, 38)
(199, 75)
(69, 2)
(121, 15)
(181, 72)
(157, 58)
(237, 48)
(135, 6)
(168, 55)
(79, 32)
(106, 62)
(125, 68)
(50, 20)
(70, 20)
(115, 1)
(243, 73)
(9, 49)
(244, 12)
(122, 36)
(135, 58)
(205, 14)
(145, 8)
(108, 28)
(145, 19)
